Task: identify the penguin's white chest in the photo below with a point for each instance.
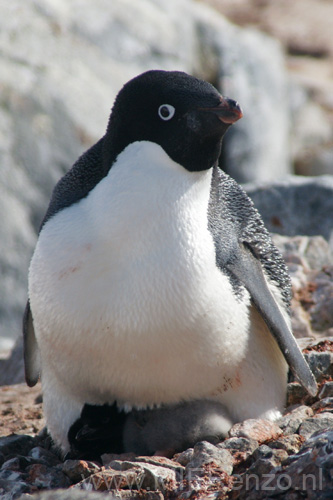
(127, 300)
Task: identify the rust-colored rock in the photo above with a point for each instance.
(259, 429)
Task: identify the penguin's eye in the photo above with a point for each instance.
(166, 112)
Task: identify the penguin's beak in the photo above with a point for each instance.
(228, 111)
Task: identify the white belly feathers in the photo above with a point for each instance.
(128, 302)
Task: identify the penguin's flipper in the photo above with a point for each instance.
(247, 268)
(31, 350)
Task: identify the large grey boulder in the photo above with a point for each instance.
(296, 205)
(249, 66)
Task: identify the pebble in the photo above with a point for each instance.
(46, 477)
(291, 421)
(296, 394)
(265, 452)
(43, 456)
(185, 456)
(266, 459)
(258, 429)
(321, 364)
(207, 454)
(326, 391)
(71, 494)
(291, 444)
(300, 440)
(108, 479)
(76, 470)
(12, 464)
(16, 444)
(326, 404)
(130, 475)
(318, 422)
(161, 462)
(240, 448)
(11, 490)
(304, 475)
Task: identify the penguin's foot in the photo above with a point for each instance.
(99, 430)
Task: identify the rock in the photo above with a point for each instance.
(324, 404)
(317, 161)
(291, 444)
(240, 448)
(42, 456)
(321, 364)
(158, 478)
(296, 205)
(13, 464)
(161, 462)
(62, 494)
(237, 467)
(130, 475)
(43, 476)
(321, 307)
(12, 367)
(304, 475)
(205, 454)
(16, 444)
(265, 459)
(310, 132)
(248, 65)
(14, 489)
(291, 420)
(311, 252)
(264, 452)
(296, 394)
(184, 457)
(108, 479)
(76, 470)
(11, 475)
(309, 260)
(257, 429)
(319, 422)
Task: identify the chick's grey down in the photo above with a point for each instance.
(154, 281)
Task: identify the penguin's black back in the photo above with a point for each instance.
(75, 185)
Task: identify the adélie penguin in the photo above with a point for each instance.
(154, 281)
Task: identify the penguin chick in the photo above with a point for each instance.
(167, 430)
(154, 280)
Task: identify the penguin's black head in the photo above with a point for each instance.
(186, 116)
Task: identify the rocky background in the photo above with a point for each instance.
(62, 64)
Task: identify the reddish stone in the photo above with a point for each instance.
(258, 429)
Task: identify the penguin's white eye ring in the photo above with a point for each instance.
(166, 112)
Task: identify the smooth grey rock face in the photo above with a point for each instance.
(296, 205)
(249, 66)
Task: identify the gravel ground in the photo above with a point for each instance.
(293, 456)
